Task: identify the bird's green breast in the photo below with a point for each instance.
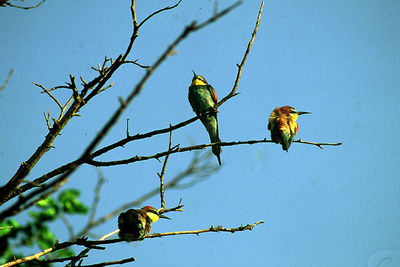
(200, 98)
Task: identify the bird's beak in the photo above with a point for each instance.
(302, 112)
(164, 217)
(194, 73)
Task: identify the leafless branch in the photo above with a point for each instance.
(199, 166)
(79, 101)
(67, 224)
(177, 208)
(246, 54)
(22, 7)
(49, 94)
(94, 244)
(191, 148)
(100, 181)
(161, 176)
(211, 229)
(316, 144)
(123, 261)
(136, 63)
(7, 80)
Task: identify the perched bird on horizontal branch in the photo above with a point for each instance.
(283, 126)
(202, 98)
(136, 224)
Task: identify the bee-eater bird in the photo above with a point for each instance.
(283, 126)
(136, 224)
(202, 97)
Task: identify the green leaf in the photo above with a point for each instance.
(67, 252)
(45, 238)
(10, 222)
(48, 202)
(70, 203)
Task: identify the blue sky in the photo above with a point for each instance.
(337, 59)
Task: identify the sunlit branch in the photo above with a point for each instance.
(161, 175)
(316, 144)
(211, 229)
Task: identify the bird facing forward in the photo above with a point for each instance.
(202, 98)
(136, 224)
(283, 126)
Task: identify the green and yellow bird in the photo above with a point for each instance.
(136, 224)
(202, 97)
(283, 126)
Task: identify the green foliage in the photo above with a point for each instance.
(70, 203)
(15, 235)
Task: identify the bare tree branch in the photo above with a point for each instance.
(25, 168)
(7, 79)
(159, 11)
(123, 261)
(191, 148)
(94, 244)
(6, 2)
(161, 176)
(100, 181)
(219, 228)
(194, 168)
(240, 66)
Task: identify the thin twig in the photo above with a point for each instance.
(136, 63)
(161, 176)
(194, 168)
(106, 263)
(44, 262)
(67, 224)
(158, 11)
(317, 144)
(100, 181)
(7, 80)
(211, 229)
(49, 94)
(240, 66)
(195, 147)
(26, 8)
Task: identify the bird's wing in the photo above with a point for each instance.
(213, 93)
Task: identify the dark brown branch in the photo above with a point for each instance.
(159, 11)
(94, 244)
(26, 166)
(195, 147)
(124, 141)
(43, 262)
(37, 182)
(15, 181)
(123, 261)
(136, 63)
(120, 143)
(101, 80)
(23, 7)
